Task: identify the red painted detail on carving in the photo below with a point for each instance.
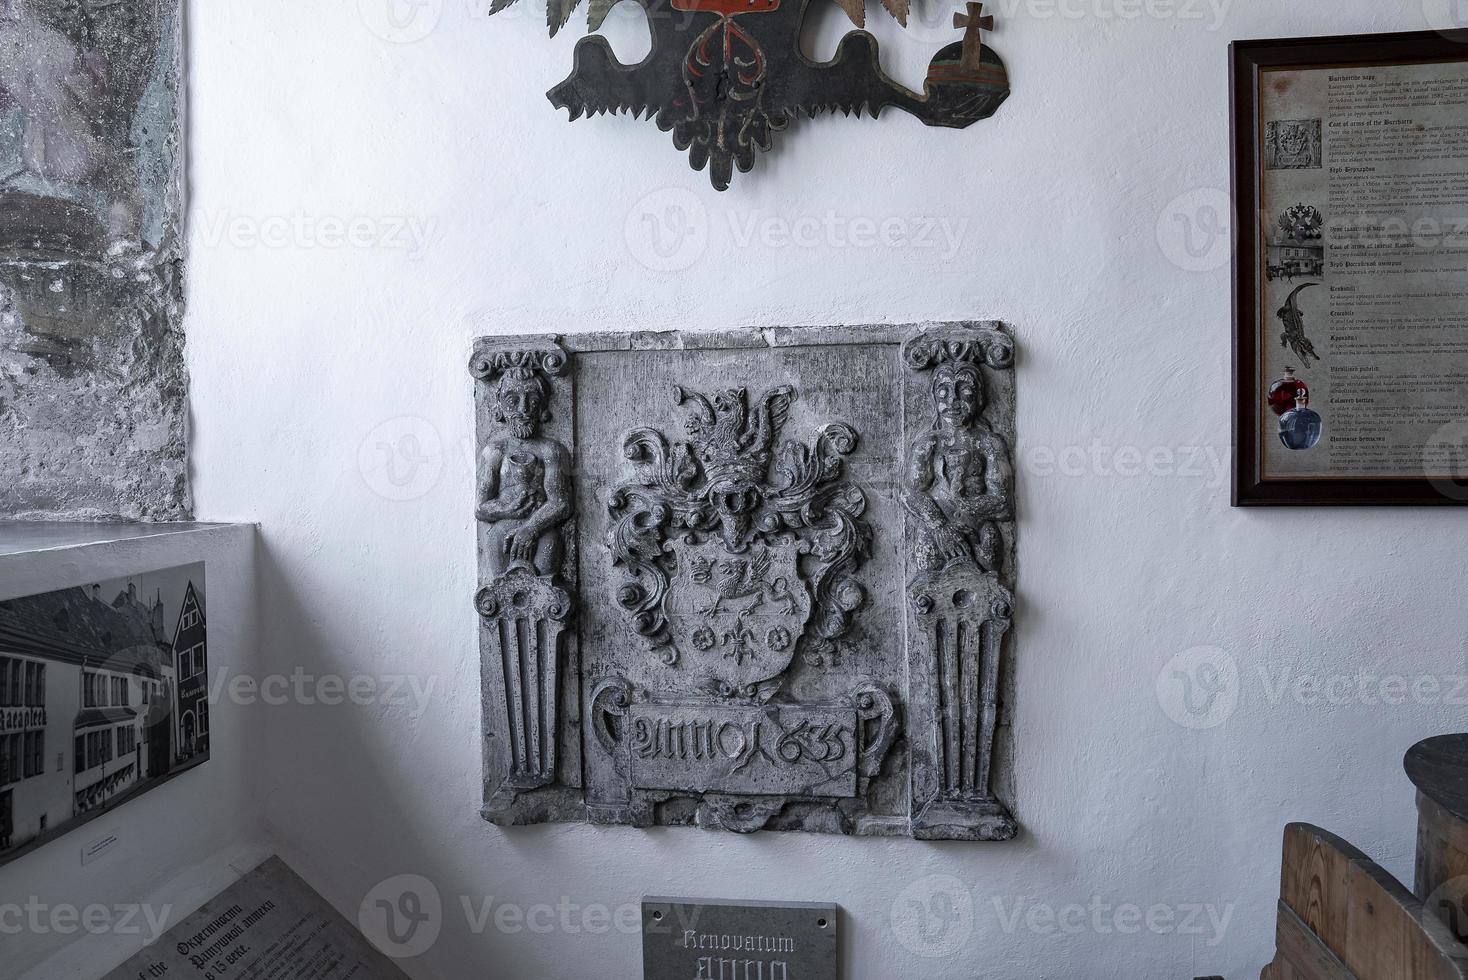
(750, 71)
(727, 8)
(725, 65)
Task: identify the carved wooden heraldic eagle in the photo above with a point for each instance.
(748, 583)
(724, 75)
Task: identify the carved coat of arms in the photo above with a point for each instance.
(739, 545)
(739, 613)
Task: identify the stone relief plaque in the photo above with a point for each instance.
(749, 580)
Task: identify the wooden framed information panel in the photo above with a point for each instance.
(1350, 181)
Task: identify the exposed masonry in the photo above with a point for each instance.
(93, 390)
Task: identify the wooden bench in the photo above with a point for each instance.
(1343, 917)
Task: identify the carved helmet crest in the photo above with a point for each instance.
(735, 446)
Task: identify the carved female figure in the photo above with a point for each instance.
(957, 484)
(524, 493)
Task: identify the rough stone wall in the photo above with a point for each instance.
(93, 390)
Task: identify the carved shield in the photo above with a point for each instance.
(738, 617)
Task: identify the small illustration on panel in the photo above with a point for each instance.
(1297, 245)
(1293, 319)
(1292, 144)
(1300, 426)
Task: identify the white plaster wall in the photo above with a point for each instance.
(177, 845)
(308, 357)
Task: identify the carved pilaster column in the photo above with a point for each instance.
(525, 511)
(523, 617)
(958, 489)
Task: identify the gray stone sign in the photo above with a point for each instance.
(691, 939)
(749, 580)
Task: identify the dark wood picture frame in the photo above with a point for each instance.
(1248, 61)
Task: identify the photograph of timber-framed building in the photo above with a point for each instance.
(103, 696)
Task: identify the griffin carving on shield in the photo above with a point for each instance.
(724, 75)
(735, 579)
(736, 540)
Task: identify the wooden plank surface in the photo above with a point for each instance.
(1342, 917)
(1442, 857)
(1302, 956)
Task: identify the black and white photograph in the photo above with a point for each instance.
(104, 694)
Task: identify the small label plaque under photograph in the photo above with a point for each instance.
(713, 939)
(98, 848)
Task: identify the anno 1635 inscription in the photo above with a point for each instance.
(749, 580)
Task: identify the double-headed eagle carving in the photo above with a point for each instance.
(724, 75)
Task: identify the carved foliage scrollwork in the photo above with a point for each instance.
(609, 703)
(878, 715)
(927, 351)
(489, 365)
(736, 512)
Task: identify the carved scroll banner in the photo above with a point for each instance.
(748, 580)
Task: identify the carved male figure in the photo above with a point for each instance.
(958, 479)
(524, 491)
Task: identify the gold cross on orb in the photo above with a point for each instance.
(973, 24)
